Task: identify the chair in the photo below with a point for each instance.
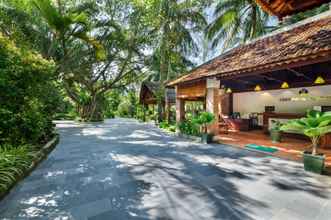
(224, 125)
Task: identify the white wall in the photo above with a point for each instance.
(255, 101)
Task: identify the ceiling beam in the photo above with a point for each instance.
(299, 74)
(245, 82)
(269, 78)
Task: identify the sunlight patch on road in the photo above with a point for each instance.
(93, 131)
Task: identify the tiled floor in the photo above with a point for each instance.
(123, 170)
(289, 148)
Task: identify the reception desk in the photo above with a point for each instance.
(283, 117)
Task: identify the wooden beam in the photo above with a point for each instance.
(269, 78)
(299, 74)
(245, 82)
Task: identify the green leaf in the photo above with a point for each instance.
(314, 114)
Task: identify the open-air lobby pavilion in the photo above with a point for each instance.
(274, 78)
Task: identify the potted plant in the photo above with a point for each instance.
(315, 125)
(204, 119)
(275, 132)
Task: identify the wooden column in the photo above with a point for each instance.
(167, 106)
(144, 109)
(180, 109)
(226, 104)
(212, 102)
(167, 112)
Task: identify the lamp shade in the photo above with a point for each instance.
(258, 88)
(285, 85)
(229, 90)
(319, 80)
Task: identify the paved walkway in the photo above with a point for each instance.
(125, 170)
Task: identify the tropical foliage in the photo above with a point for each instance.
(171, 26)
(168, 126)
(98, 53)
(189, 127)
(315, 125)
(237, 21)
(13, 163)
(28, 95)
(204, 119)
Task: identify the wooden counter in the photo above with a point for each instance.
(268, 115)
(325, 141)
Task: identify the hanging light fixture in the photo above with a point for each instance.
(257, 88)
(229, 90)
(285, 85)
(319, 80)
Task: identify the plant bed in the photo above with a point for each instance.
(24, 171)
(313, 163)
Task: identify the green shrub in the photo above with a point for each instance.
(124, 109)
(28, 96)
(164, 125)
(172, 128)
(194, 124)
(109, 114)
(189, 127)
(204, 119)
(169, 127)
(13, 163)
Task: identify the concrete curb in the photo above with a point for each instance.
(42, 154)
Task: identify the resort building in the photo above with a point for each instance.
(148, 97)
(274, 78)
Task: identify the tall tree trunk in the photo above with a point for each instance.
(93, 110)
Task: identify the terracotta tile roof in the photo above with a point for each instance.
(152, 86)
(282, 8)
(308, 41)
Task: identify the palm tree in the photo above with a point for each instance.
(236, 21)
(68, 26)
(176, 23)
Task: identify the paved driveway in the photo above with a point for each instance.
(126, 170)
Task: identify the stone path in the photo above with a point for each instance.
(123, 169)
